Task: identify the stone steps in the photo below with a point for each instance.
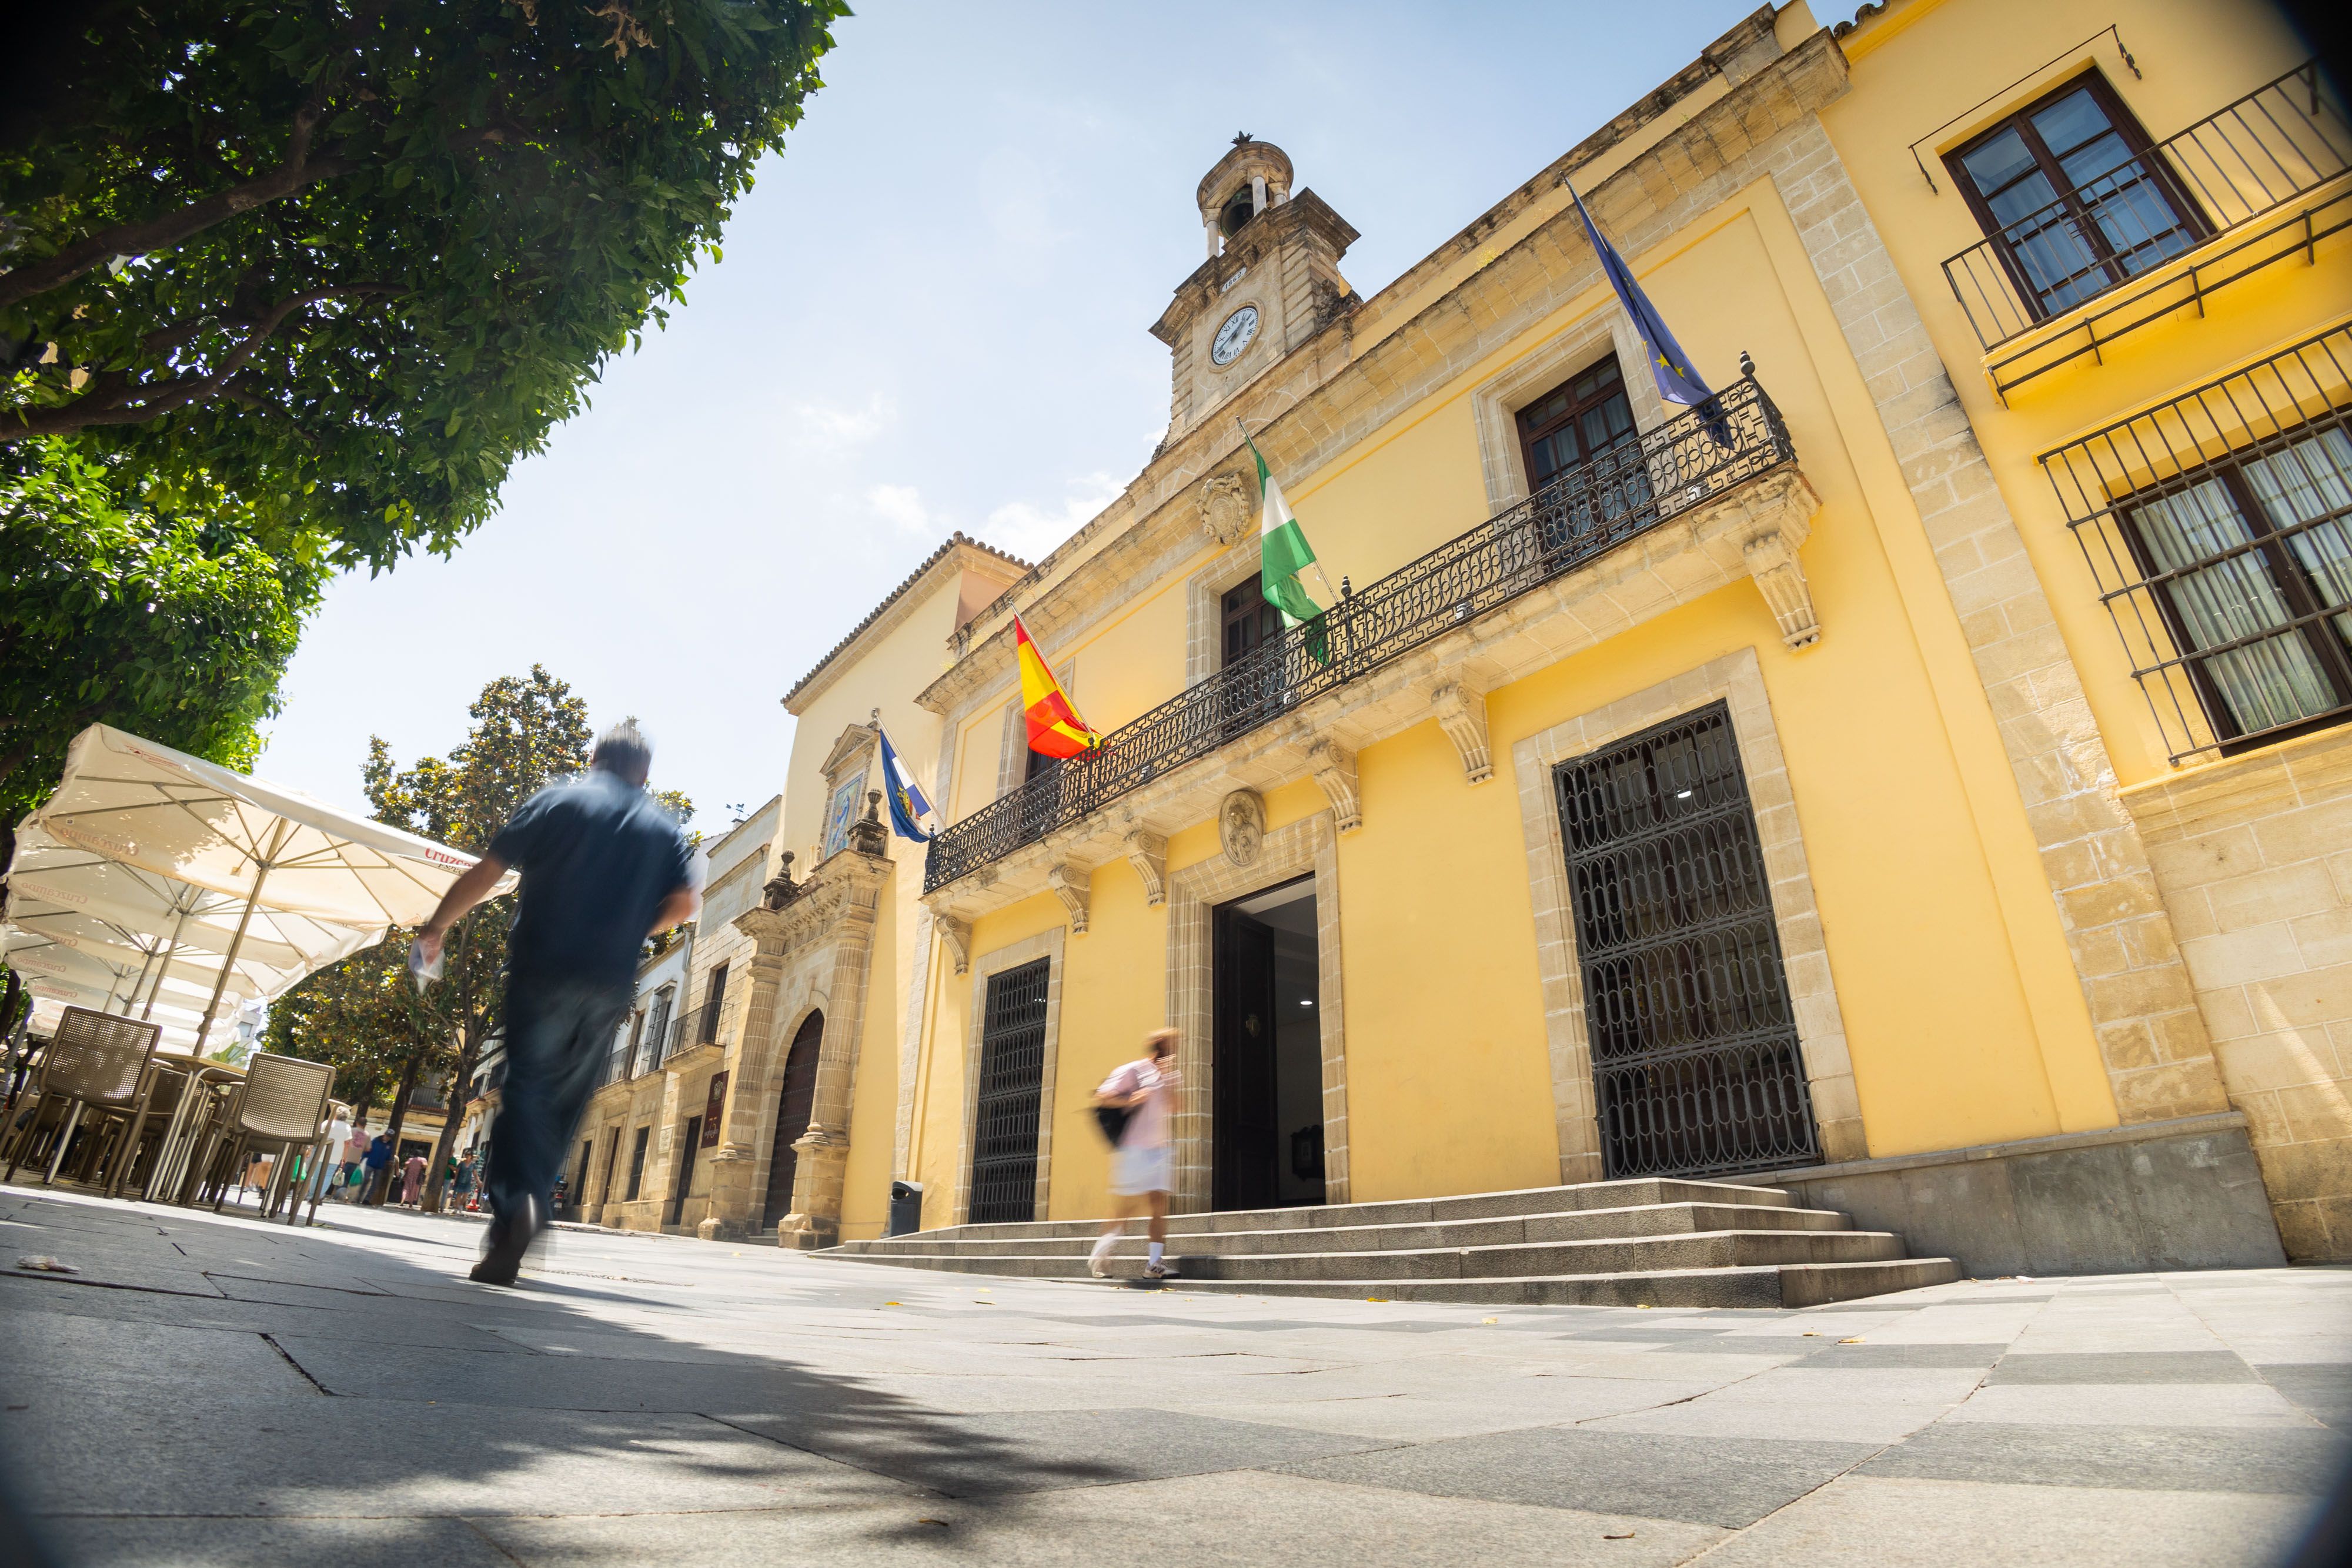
(1652, 1241)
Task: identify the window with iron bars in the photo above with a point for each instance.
(2219, 526)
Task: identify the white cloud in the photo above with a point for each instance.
(901, 506)
(1031, 531)
(828, 428)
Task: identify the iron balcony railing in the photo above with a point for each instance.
(2218, 527)
(1586, 512)
(2284, 137)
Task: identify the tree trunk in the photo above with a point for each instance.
(437, 1169)
(399, 1116)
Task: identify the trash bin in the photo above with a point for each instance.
(906, 1208)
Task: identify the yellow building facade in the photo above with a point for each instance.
(1917, 779)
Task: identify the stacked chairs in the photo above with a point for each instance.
(280, 1108)
(97, 1065)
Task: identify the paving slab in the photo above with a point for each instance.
(2173, 1407)
(1729, 1482)
(1862, 1521)
(1239, 1518)
(344, 1543)
(2285, 1460)
(971, 1456)
(2176, 1367)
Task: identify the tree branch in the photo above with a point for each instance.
(116, 399)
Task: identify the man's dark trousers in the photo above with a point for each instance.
(558, 1033)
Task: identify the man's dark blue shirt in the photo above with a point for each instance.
(598, 855)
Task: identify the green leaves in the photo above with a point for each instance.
(148, 609)
(473, 202)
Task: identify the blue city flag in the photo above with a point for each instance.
(1669, 366)
(907, 806)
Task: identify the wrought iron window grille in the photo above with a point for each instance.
(1696, 1066)
(1588, 510)
(2285, 138)
(2218, 527)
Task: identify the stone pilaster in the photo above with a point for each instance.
(847, 890)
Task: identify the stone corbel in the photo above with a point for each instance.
(958, 935)
(1073, 887)
(1460, 710)
(1147, 851)
(1771, 558)
(1334, 767)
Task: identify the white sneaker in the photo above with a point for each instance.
(1159, 1270)
(1098, 1263)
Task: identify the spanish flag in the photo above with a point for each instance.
(1054, 727)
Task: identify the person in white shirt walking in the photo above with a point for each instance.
(1142, 1167)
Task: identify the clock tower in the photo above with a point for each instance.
(1271, 280)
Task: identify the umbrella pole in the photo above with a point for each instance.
(261, 875)
(170, 947)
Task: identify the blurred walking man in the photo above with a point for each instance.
(603, 867)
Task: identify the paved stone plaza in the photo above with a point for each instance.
(205, 1390)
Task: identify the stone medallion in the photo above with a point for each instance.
(1241, 826)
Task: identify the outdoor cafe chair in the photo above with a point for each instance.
(282, 1107)
(95, 1061)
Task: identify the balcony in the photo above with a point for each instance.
(2258, 182)
(1703, 463)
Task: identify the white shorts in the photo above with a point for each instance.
(1134, 1171)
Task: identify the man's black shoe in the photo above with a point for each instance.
(509, 1238)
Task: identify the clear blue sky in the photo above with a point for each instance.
(932, 315)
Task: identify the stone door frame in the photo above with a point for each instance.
(1306, 846)
(1735, 679)
(1051, 946)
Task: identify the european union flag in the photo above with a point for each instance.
(1669, 366)
(907, 806)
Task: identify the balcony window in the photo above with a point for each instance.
(709, 1033)
(2220, 527)
(1586, 414)
(2073, 196)
(1249, 620)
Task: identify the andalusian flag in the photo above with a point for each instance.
(1054, 727)
(1291, 580)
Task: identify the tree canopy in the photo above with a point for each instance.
(173, 628)
(346, 260)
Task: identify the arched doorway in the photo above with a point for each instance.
(793, 1108)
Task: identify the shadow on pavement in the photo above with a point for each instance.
(203, 1389)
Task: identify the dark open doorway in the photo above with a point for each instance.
(684, 1184)
(1268, 1052)
(794, 1105)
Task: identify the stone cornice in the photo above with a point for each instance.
(957, 554)
(1311, 409)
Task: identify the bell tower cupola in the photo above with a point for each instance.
(1270, 283)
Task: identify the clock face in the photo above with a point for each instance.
(1235, 335)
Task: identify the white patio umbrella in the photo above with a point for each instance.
(292, 869)
(169, 929)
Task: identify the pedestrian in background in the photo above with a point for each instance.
(1143, 1167)
(352, 1155)
(603, 866)
(378, 1162)
(330, 1167)
(411, 1180)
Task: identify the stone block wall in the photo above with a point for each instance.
(2254, 859)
